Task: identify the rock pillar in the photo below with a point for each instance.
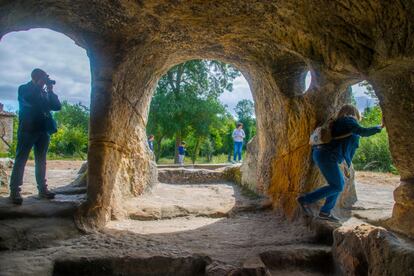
(395, 89)
(119, 162)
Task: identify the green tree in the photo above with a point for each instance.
(69, 141)
(73, 115)
(13, 146)
(186, 102)
(373, 153)
(72, 136)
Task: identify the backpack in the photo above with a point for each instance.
(323, 134)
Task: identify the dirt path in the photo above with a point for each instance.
(375, 196)
(377, 178)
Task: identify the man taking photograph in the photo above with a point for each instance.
(36, 100)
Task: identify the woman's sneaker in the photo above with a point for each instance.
(329, 217)
(305, 208)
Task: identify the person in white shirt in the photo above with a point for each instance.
(238, 137)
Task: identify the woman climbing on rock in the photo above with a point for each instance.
(344, 133)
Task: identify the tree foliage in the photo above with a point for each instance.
(373, 153)
(71, 138)
(186, 103)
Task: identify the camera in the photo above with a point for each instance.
(50, 82)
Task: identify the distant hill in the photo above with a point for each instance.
(364, 102)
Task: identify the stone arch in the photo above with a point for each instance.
(284, 122)
(103, 60)
(339, 41)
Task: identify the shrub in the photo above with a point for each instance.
(373, 153)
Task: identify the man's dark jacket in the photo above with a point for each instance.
(35, 105)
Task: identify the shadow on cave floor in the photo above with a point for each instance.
(175, 229)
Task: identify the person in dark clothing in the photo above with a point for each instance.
(328, 157)
(35, 127)
(151, 142)
(181, 153)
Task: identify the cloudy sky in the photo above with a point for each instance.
(58, 55)
(68, 64)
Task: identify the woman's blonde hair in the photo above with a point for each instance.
(349, 110)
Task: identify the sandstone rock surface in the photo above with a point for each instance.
(5, 165)
(217, 200)
(131, 44)
(248, 168)
(189, 176)
(370, 250)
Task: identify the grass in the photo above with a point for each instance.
(216, 159)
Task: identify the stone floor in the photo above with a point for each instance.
(175, 229)
(375, 196)
(166, 201)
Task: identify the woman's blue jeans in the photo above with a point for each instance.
(237, 150)
(327, 162)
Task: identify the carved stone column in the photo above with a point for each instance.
(395, 89)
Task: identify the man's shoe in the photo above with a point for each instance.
(305, 208)
(329, 217)
(46, 194)
(16, 198)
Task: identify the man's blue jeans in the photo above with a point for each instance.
(25, 142)
(238, 150)
(327, 162)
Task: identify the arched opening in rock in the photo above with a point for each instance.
(200, 102)
(307, 81)
(375, 174)
(132, 43)
(68, 64)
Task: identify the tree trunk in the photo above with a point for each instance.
(195, 151)
(3, 134)
(158, 149)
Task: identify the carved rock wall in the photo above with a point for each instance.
(248, 168)
(132, 43)
(370, 250)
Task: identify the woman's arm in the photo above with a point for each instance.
(363, 131)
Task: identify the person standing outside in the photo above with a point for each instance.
(181, 153)
(345, 132)
(238, 137)
(151, 142)
(36, 99)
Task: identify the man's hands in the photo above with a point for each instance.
(49, 88)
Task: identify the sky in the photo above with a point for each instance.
(68, 64)
(58, 55)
